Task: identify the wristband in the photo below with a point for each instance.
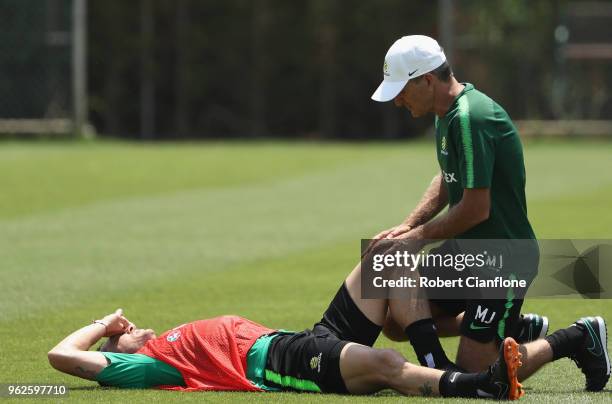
(101, 323)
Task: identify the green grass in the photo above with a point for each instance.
(174, 233)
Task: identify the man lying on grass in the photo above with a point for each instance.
(230, 353)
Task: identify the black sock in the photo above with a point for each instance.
(565, 342)
(424, 339)
(455, 384)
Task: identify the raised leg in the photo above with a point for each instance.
(374, 309)
(535, 355)
(475, 356)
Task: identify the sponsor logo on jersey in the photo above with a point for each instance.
(449, 177)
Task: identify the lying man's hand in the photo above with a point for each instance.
(115, 323)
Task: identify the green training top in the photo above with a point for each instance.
(479, 147)
(137, 371)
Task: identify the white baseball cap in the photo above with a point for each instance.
(409, 57)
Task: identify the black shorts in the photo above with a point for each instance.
(306, 361)
(484, 320)
(310, 360)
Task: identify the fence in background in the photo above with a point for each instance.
(42, 65)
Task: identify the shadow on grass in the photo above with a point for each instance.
(84, 388)
(99, 388)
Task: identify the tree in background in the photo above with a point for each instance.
(259, 68)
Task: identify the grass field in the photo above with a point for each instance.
(173, 233)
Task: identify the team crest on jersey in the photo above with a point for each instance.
(443, 146)
(173, 336)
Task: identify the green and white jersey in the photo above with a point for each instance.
(479, 147)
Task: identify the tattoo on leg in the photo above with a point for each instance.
(425, 389)
(88, 374)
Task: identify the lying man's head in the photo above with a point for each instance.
(129, 342)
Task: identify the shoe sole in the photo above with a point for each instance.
(512, 357)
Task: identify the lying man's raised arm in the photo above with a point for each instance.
(72, 354)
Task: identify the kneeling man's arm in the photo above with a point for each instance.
(474, 208)
(72, 354)
(432, 202)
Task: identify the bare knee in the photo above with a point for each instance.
(366, 370)
(397, 373)
(390, 365)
